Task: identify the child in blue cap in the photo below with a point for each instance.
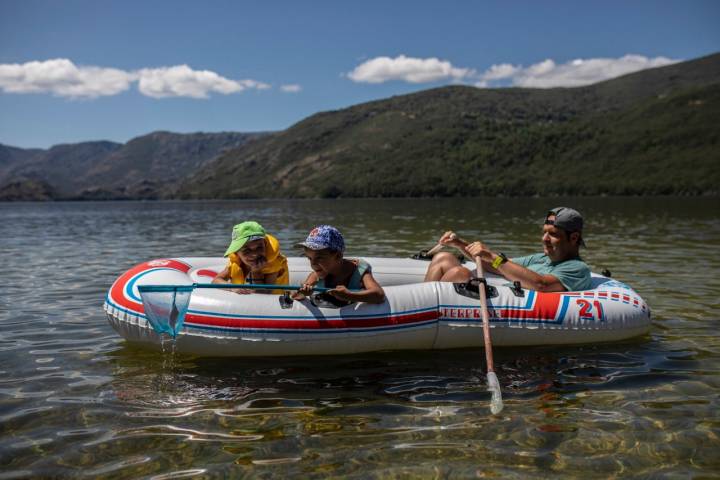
(324, 247)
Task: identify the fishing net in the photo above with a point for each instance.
(165, 307)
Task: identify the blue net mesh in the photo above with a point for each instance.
(165, 307)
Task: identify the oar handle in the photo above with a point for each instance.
(440, 246)
(435, 249)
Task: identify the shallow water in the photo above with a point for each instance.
(76, 400)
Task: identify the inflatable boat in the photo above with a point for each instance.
(414, 316)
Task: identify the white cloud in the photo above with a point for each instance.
(183, 81)
(291, 88)
(63, 78)
(408, 69)
(254, 84)
(497, 72)
(575, 73)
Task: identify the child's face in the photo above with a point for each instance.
(253, 254)
(324, 262)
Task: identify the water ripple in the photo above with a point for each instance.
(77, 401)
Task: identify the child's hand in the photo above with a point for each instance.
(341, 292)
(242, 291)
(306, 288)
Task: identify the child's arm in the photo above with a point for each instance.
(372, 293)
(222, 277)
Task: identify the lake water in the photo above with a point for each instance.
(77, 400)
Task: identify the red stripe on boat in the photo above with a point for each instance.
(206, 273)
(545, 307)
(310, 323)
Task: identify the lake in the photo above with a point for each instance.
(77, 401)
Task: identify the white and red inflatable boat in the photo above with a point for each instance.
(415, 315)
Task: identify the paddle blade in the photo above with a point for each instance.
(165, 307)
(496, 402)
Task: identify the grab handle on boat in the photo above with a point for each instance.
(285, 300)
(517, 290)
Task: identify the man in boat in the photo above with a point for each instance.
(559, 268)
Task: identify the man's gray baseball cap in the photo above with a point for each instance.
(568, 219)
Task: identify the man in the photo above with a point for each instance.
(559, 268)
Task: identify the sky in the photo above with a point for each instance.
(81, 70)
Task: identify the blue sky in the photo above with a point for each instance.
(82, 70)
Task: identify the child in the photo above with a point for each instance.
(324, 247)
(254, 257)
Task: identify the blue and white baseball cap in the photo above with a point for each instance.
(324, 237)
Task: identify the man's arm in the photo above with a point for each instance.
(528, 278)
(514, 272)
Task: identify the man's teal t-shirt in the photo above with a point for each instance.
(574, 274)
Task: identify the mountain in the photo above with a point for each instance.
(10, 157)
(651, 132)
(145, 167)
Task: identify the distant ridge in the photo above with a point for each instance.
(651, 132)
(146, 167)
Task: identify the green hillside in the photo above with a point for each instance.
(651, 132)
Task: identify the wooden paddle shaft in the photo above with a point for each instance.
(485, 316)
(435, 249)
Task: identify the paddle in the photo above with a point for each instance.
(166, 305)
(496, 403)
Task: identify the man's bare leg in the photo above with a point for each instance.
(458, 274)
(441, 264)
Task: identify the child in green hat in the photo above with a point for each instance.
(254, 257)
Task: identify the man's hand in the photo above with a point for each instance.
(451, 239)
(479, 249)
